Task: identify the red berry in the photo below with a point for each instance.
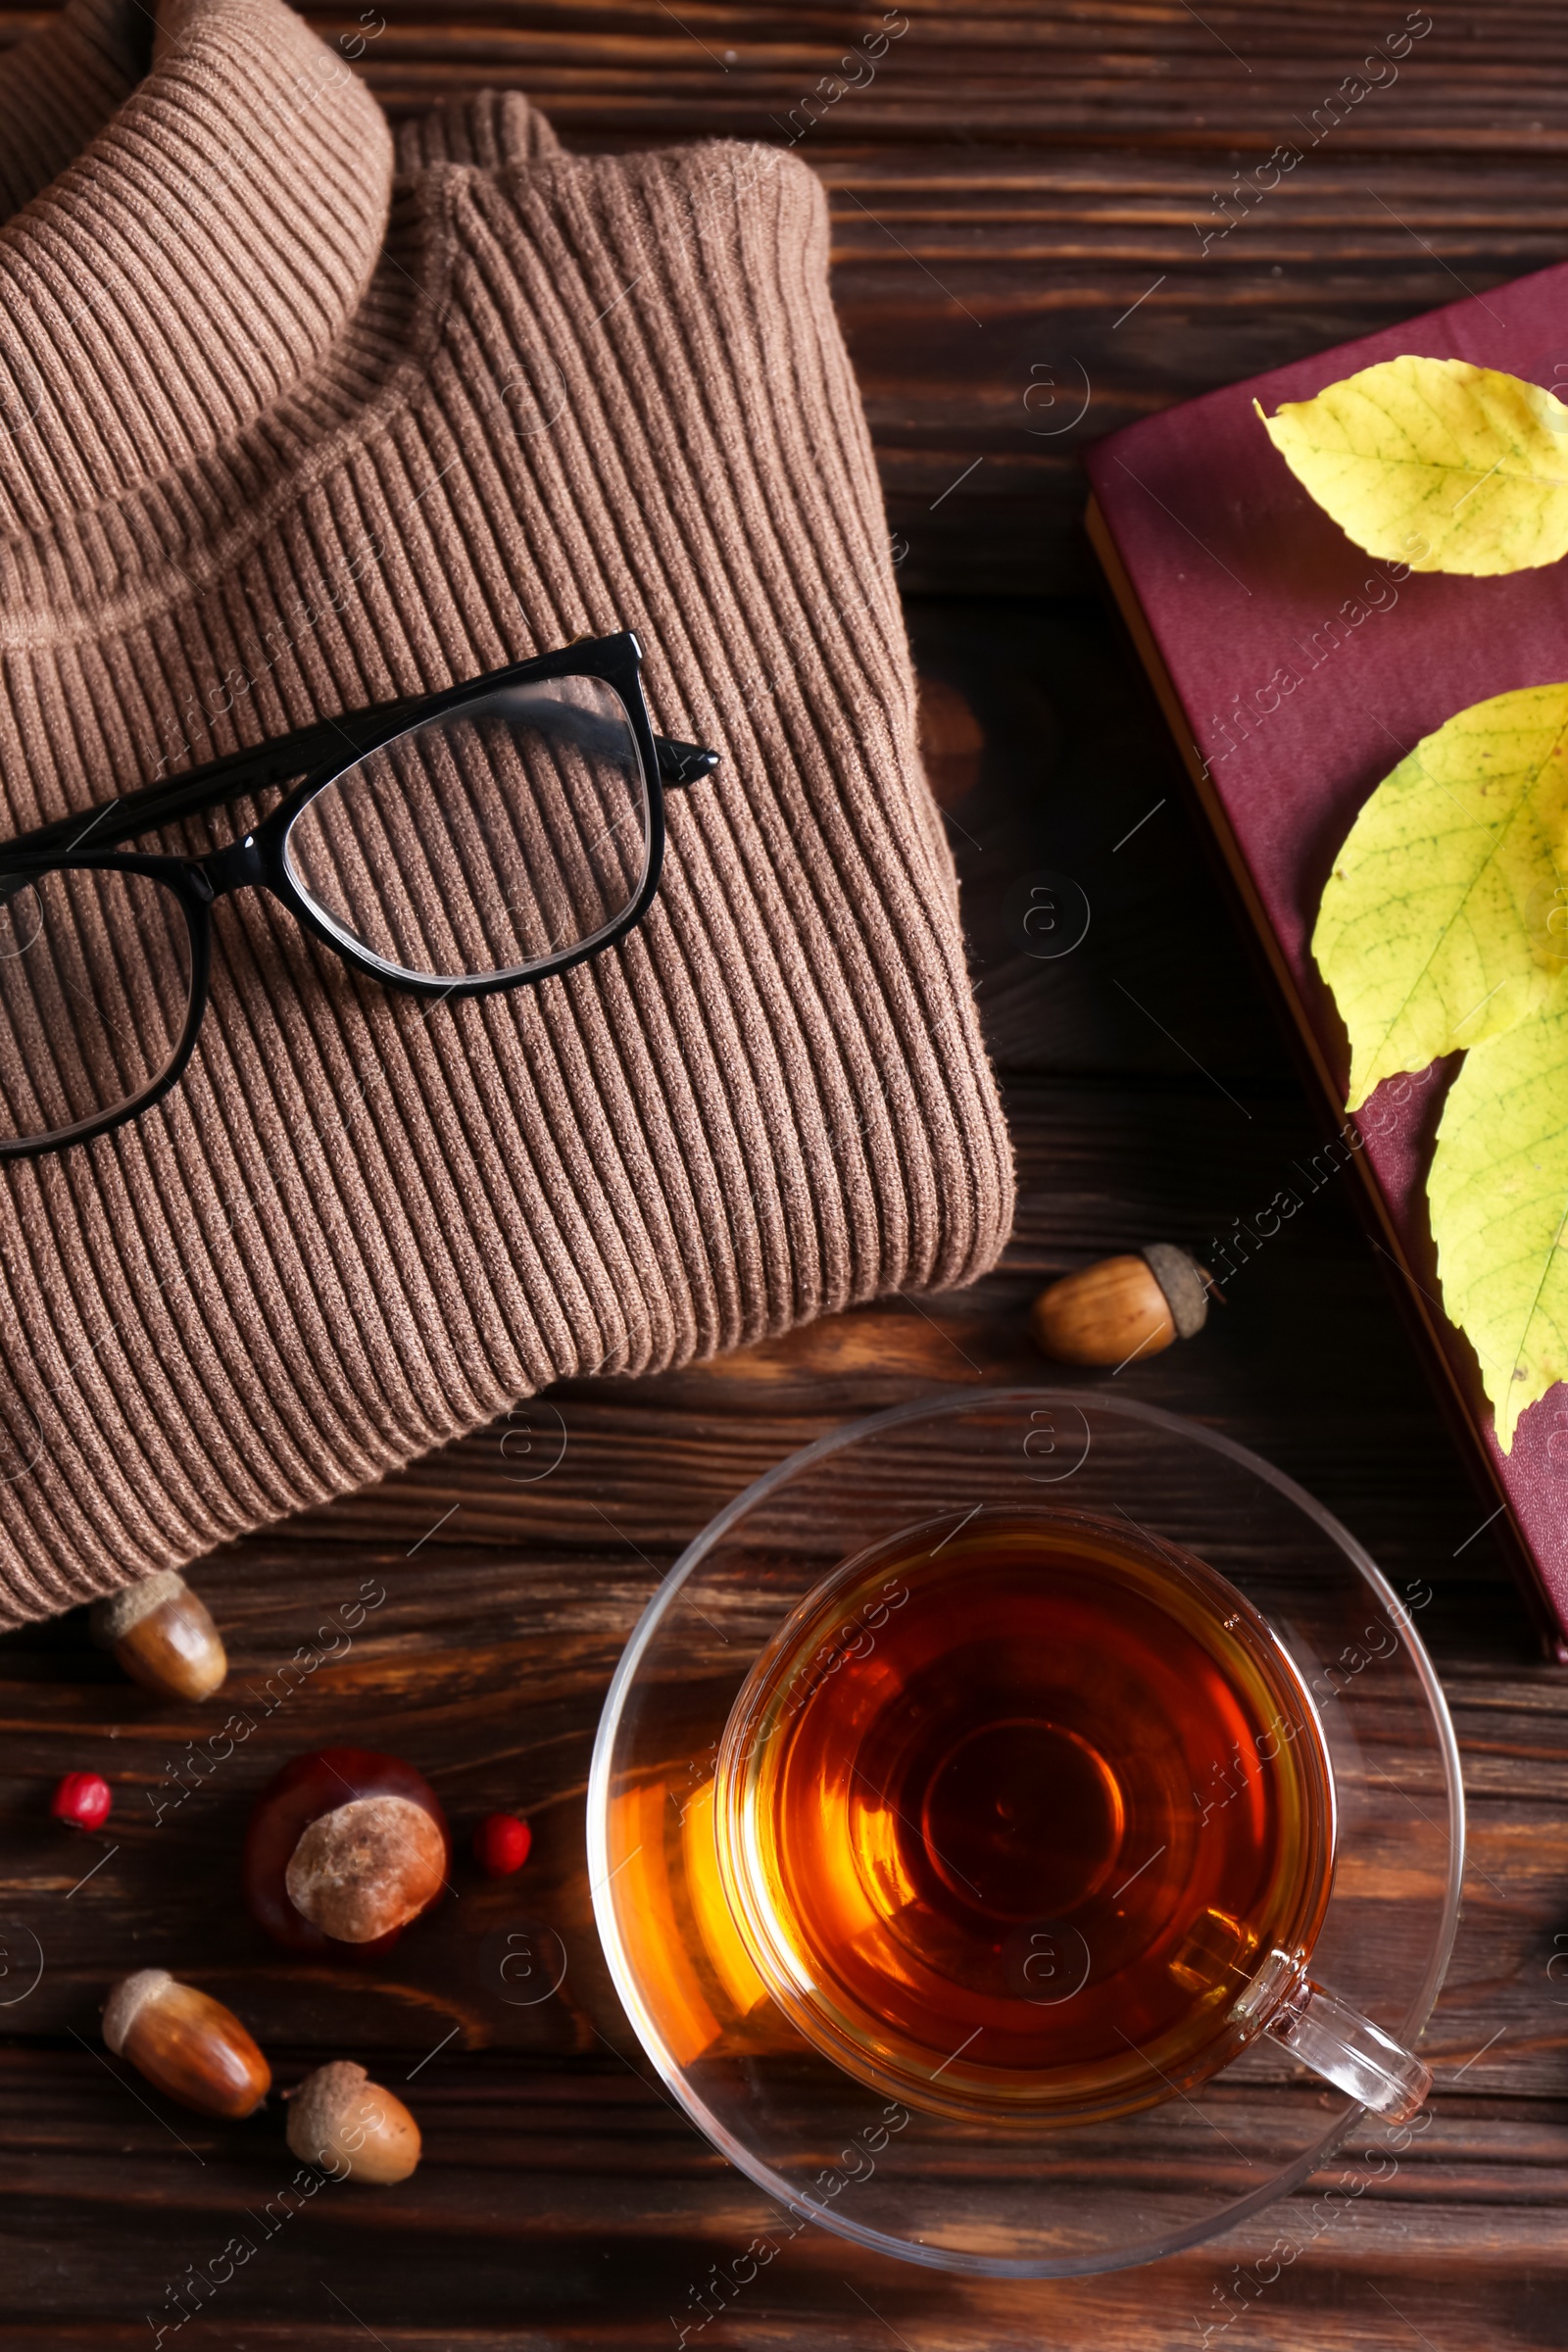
(82, 1798)
(501, 1844)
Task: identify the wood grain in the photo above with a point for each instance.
(1012, 181)
(1013, 203)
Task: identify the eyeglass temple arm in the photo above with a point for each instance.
(682, 764)
(172, 797)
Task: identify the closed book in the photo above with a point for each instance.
(1295, 672)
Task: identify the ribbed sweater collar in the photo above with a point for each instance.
(192, 239)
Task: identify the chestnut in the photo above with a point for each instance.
(344, 1847)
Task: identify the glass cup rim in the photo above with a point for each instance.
(600, 1791)
(737, 1773)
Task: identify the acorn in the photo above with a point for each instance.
(163, 1635)
(353, 2128)
(952, 740)
(185, 2044)
(1124, 1306)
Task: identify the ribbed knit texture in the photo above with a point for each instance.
(278, 438)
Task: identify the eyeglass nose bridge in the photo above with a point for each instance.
(236, 866)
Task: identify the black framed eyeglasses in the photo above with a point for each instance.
(485, 837)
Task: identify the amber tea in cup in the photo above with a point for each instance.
(1024, 1816)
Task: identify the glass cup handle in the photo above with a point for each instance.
(1334, 2040)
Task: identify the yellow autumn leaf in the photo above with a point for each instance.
(1435, 463)
(1445, 919)
(1498, 1193)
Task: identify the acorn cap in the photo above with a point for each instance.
(1184, 1283)
(338, 2118)
(127, 1999)
(317, 2109)
(112, 1619)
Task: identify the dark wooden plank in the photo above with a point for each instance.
(562, 2208)
(581, 2199)
(1019, 206)
(1154, 76)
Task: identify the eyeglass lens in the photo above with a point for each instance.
(95, 984)
(486, 843)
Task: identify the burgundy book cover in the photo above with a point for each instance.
(1295, 672)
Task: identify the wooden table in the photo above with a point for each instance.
(1014, 199)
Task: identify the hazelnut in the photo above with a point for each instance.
(163, 1636)
(1123, 1306)
(353, 2128)
(344, 1849)
(186, 2044)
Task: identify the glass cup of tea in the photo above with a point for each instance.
(1025, 1818)
(1025, 1833)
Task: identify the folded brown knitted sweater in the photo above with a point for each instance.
(279, 435)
